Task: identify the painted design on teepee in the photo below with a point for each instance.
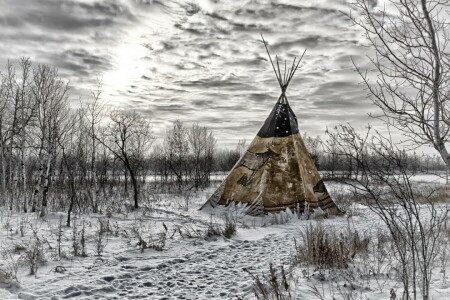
(276, 172)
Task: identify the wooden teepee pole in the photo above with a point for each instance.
(271, 61)
(283, 81)
(295, 69)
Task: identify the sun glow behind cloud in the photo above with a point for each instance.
(127, 63)
(131, 55)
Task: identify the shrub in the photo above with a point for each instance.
(34, 255)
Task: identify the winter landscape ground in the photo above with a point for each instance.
(189, 256)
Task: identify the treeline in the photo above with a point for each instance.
(329, 158)
(74, 158)
(47, 147)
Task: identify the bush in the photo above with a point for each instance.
(34, 255)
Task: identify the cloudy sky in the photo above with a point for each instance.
(199, 60)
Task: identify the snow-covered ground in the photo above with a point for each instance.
(190, 265)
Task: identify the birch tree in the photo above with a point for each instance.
(10, 128)
(25, 115)
(3, 114)
(15, 115)
(52, 111)
(94, 115)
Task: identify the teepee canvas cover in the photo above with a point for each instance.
(276, 172)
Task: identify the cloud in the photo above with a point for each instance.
(74, 35)
(197, 61)
(64, 15)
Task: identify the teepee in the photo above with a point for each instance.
(276, 172)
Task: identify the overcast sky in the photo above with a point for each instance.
(198, 61)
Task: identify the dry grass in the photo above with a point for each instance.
(324, 247)
(275, 285)
(9, 265)
(214, 229)
(346, 201)
(426, 194)
(148, 240)
(280, 218)
(188, 231)
(229, 228)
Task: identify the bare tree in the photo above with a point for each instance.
(8, 128)
(69, 144)
(160, 164)
(242, 146)
(332, 158)
(95, 112)
(414, 220)
(412, 61)
(52, 110)
(225, 159)
(16, 106)
(3, 132)
(129, 139)
(177, 147)
(26, 113)
(202, 143)
(11, 125)
(314, 146)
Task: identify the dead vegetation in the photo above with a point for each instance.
(188, 231)
(274, 285)
(10, 266)
(325, 247)
(347, 202)
(341, 263)
(426, 193)
(34, 254)
(229, 228)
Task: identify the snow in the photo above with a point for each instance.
(187, 268)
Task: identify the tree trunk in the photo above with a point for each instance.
(439, 144)
(135, 188)
(126, 181)
(24, 175)
(46, 180)
(2, 153)
(73, 197)
(11, 176)
(94, 189)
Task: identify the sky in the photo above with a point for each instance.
(199, 60)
